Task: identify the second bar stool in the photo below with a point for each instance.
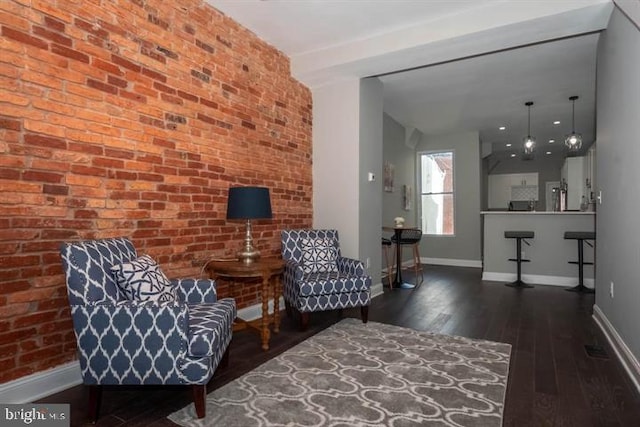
(581, 237)
(519, 236)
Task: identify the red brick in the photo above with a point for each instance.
(62, 190)
(45, 141)
(11, 287)
(88, 170)
(24, 38)
(54, 24)
(42, 176)
(11, 124)
(69, 53)
(187, 96)
(102, 86)
(164, 88)
(41, 354)
(51, 35)
(106, 66)
(16, 336)
(90, 28)
(208, 103)
(125, 63)
(154, 74)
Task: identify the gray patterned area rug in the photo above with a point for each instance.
(355, 374)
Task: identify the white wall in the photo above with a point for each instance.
(403, 158)
(371, 100)
(347, 145)
(336, 168)
(618, 219)
(465, 245)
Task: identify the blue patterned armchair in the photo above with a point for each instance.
(318, 278)
(133, 335)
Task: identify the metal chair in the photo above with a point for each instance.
(411, 237)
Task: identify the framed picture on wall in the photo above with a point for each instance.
(388, 176)
(407, 196)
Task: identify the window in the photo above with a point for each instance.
(436, 192)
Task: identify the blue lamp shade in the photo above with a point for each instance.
(248, 203)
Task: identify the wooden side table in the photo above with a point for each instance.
(269, 270)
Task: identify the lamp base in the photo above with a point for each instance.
(248, 255)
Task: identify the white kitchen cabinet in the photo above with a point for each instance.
(503, 187)
(573, 173)
(524, 179)
(590, 173)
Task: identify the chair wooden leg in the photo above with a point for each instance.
(304, 321)
(95, 399)
(199, 399)
(364, 312)
(224, 362)
(417, 264)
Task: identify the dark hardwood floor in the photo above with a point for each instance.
(553, 381)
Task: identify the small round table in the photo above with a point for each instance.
(398, 282)
(269, 270)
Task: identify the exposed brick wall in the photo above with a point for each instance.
(133, 118)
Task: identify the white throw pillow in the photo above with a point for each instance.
(319, 255)
(142, 280)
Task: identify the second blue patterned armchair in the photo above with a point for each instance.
(135, 326)
(318, 278)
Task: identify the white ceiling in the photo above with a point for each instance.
(490, 91)
(332, 39)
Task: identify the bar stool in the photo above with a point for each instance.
(411, 237)
(386, 245)
(581, 236)
(520, 236)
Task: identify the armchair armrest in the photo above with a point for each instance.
(351, 266)
(195, 291)
(293, 270)
(147, 338)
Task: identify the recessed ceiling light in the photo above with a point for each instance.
(551, 141)
(513, 155)
(557, 122)
(502, 128)
(508, 145)
(548, 152)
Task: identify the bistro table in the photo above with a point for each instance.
(398, 282)
(267, 269)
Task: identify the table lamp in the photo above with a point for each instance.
(248, 203)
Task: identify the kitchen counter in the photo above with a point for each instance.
(549, 251)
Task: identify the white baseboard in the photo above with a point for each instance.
(377, 290)
(41, 384)
(452, 262)
(626, 357)
(536, 279)
(254, 312)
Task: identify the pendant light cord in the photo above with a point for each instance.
(573, 116)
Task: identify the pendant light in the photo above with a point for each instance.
(529, 142)
(573, 141)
